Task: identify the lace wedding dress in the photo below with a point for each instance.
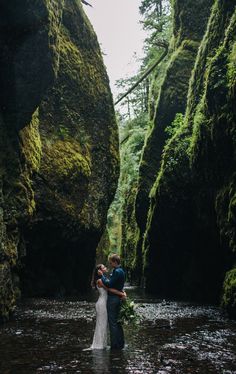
(100, 334)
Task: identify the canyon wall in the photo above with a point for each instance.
(59, 149)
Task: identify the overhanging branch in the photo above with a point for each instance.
(146, 73)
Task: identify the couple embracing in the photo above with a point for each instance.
(108, 305)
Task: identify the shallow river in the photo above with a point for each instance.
(48, 336)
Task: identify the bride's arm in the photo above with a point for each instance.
(116, 292)
(112, 290)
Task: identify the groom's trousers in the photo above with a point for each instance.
(116, 330)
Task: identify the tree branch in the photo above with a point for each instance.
(85, 3)
(146, 73)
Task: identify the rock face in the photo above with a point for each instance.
(190, 238)
(59, 149)
(190, 19)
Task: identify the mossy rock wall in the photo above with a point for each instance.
(190, 19)
(130, 236)
(59, 161)
(190, 237)
(102, 251)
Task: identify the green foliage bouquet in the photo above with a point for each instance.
(128, 313)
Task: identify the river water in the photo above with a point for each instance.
(49, 336)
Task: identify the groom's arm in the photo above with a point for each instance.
(122, 294)
(110, 283)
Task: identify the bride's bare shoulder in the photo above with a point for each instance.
(99, 283)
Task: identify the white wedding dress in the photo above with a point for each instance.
(100, 334)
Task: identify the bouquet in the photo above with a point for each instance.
(128, 313)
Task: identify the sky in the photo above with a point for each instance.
(116, 23)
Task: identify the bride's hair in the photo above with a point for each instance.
(96, 276)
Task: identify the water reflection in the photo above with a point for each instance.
(125, 361)
(100, 361)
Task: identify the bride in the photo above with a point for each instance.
(100, 334)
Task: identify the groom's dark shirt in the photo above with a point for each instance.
(117, 279)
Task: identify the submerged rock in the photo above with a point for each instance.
(59, 142)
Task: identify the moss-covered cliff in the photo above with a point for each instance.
(190, 19)
(190, 235)
(59, 148)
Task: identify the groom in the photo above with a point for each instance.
(116, 281)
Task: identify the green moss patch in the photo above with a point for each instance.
(229, 292)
